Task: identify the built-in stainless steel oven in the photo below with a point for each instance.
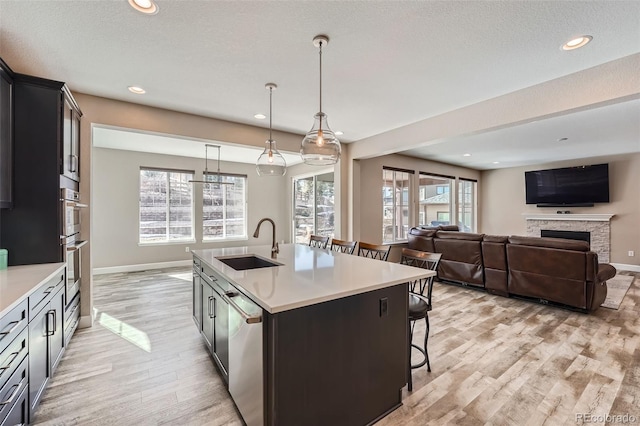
(70, 240)
(71, 214)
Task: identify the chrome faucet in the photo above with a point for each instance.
(274, 244)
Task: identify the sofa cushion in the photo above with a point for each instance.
(494, 257)
(455, 235)
(559, 243)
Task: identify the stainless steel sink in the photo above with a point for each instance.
(244, 262)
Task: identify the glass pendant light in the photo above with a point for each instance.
(271, 162)
(320, 146)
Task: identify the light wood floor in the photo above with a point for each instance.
(494, 361)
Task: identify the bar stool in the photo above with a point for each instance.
(419, 303)
(318, 241)
(373, 251)
(343, 246)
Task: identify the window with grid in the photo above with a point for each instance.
(434, 199)
(467, 204)
(166, 206)
(224, 207)
(395, 204)
(313, 205)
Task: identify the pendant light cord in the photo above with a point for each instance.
(320, 76)
(270, 114)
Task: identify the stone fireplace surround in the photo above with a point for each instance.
(599, 225)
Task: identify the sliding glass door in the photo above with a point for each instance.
(313, 204)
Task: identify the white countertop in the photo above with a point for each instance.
(18, 282)
(308, 275)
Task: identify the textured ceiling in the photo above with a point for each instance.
(388, 64)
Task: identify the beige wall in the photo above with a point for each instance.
(116, 201)
(368, 190)
(503, 202)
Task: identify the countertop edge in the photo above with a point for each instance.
(12, 305)
(311, 301)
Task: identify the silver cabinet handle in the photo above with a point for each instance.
(12, 329)
(49, 331)
(215, 307)
(13, 357)
(14, 394)
(209, 308)
(249, 319)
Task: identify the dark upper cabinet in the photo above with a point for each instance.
(45, 114)
(70, 141)
(6, 135)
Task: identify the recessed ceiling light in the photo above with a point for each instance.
(339, 133)
(137, 90)
(577, 42)
(496, 162)
(260, 116)
(145, 6)
(466, 155)
(563, 139)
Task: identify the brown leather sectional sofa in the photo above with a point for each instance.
(552, 270)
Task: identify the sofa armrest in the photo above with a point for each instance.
(605, 272)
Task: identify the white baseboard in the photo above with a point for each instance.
(140, 267)
(625, 267)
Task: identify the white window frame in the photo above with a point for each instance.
(450, 190)
(394, 227)
(473, 202)
(168, 240)
(225, 237)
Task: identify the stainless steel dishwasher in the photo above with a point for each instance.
(245, 357)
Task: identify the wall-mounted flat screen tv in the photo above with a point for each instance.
(569, 186)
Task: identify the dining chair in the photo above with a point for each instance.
(343, 246)
(419, 302)
(318, 241)
(373, 251)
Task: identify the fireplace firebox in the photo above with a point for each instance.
(569, 235)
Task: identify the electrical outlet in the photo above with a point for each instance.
(631, 253)
(186, 249)
(384, 307)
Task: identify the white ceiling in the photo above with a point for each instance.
(388, 64)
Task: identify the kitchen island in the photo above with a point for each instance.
(317, 338)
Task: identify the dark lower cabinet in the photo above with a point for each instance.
(208, 315)
(221, 332)
(46, 344)
(13, 390)
(197, 300)
(341, 362)
(19, 413)
(211, 315)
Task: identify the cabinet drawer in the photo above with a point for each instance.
(19, 413)
(11, 357)
(212, 277)
(42, 295)
(12, 324)
(71, 320)
(13, 388)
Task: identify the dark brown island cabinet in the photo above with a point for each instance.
(296, 347)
